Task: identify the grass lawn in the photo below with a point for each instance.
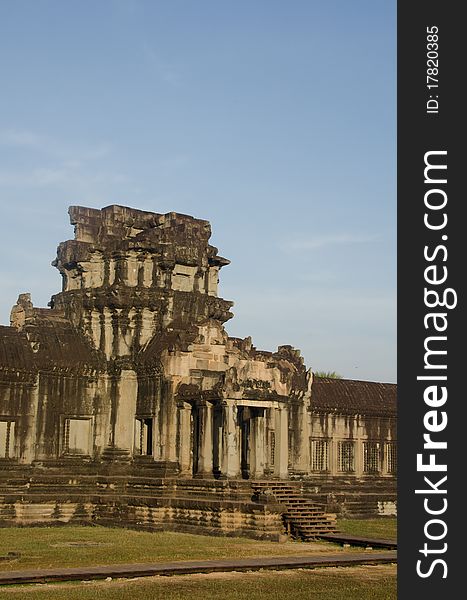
(373, 528)
(74, 546)
(68, 546)
(377, 582)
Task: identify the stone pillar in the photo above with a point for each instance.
(184, 436)
(358, 457)
(332, 455)
(124, 412)
(26, 452)
(302, 441)
(230, 460)
(281, 458)
(205, 449)
(170, 436)
(257, 446)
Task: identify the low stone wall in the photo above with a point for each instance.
(354, 498)
(195, 506)
(118, 497)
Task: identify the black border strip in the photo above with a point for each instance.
(421, 131)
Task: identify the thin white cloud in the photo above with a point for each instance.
(55, 148)
(54, 162)
(20, 139)
(68, 174)
(334, 239)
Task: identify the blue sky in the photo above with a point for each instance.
(273, 120)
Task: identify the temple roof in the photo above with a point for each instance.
(349, 396)
(58, 344)
(15, 350)
(45, 345)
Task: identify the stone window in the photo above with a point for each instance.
(391, 457)
(77, 436)
(143, 436)
(7, 438)
(319, 455)
(272, 443)
(346, 456)
(371, 457)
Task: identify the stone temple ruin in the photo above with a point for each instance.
(126, 401)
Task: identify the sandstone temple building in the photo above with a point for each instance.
(128, 395)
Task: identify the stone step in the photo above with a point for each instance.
(305, 514)
(277, 489)
(295, 507)
(314, 530)
(309, 522)
(308, 519)
(303, 511)
(290, 496)
(312, 534)
(304, 519)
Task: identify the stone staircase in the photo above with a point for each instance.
(303, 519)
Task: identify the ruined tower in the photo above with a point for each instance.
(129, 274)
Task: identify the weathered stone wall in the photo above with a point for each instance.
(208, 507)
(354, 498)
(359, 430)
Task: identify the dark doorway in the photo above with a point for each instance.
(144, 436)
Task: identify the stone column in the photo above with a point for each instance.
(170, 425)
(332, 455)
(281, 458)
(29, 449)
(358, 457)
(125, 411)
(302, 441)
(205, 449)
(123, 392)
(230, 465)
(184, 436)
(257, 434)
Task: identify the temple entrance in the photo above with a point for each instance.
(224, 443)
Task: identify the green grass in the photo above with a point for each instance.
(373, 528)
(349, 583)
(75, 546)
(49, 547)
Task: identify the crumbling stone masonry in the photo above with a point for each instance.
(130, 372)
